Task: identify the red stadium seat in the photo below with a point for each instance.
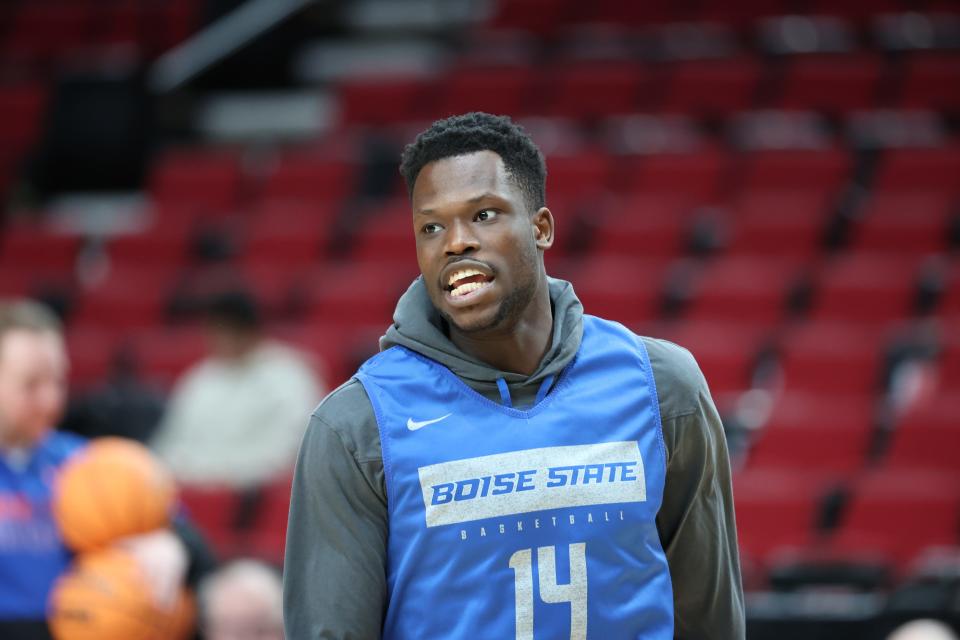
(131, 297)
(310, 178)
(268, 535)
(293, 236)
(866, 288)
(640, 227)
(205, 181)
(856, 10)
(47, 30)
(17, 281)
(214, 512)
(593, 90)
(579, 175)
(744, 289)
(941, 412)
(933, 169)
(163, 245)
(932, 81)
(816, 171)
(501, 90)
(836, 84)
(900, 513)
(697, 175)
(165, 354)
(359, 293)
(712, 87)
(832, 358)
(814, 447)
(537, 16)
(91, 349)
(950, 358)
(740, 15)
(631, 13)
(337, 348)
(387, 234)
(903, 223)
(799, 410)
(778, 224)
(926, 446)
(22, 106)
(383, 101)
(29, 248)
(624, 289)
(725, 351)
(776, 509)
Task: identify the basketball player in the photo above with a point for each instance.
(508, 466)
(33, 370)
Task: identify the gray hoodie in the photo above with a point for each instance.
(335, 568)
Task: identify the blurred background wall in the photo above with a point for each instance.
(772, 184)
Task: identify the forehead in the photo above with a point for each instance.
(459, 179)
(22, 349)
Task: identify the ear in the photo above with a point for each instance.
(543, 228)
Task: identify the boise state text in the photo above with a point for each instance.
(530, 479)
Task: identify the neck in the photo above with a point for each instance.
(518, 348)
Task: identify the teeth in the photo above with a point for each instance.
(464, 289)
(466, 273)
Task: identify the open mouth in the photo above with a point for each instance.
(466, 281)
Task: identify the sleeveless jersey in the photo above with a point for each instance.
(32, 551)
(538, 523)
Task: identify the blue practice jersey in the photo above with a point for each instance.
(537, 523)
(32, 551)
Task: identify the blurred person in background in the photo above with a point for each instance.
(33, 389)
(236, 418)
(242, 600)
(446, 488)
(925, 629)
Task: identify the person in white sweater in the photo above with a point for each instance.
(235, 419)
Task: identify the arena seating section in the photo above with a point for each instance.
(790, 217)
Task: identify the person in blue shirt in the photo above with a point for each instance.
(33, 388)
(509, 466)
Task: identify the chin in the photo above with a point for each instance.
(472, 321)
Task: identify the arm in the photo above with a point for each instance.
(696, 520)
(335, 568)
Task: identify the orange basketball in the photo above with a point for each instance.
(104, 597)
(112, 488)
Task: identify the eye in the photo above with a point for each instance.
(485, 215)
(430, 228)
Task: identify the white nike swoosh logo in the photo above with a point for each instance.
(413, 425)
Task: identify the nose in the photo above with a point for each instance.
(460, 239)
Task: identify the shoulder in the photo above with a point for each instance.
(347, 412)
(60, 445)
(680, 383)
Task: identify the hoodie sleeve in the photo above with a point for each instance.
(334, 581)
(696, 520)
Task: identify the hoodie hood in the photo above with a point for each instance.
(419, 327)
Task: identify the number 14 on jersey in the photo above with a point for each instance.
(574, 592)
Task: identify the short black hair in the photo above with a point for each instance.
(234, 309)
(478, 131)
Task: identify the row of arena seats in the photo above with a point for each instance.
(764, 202)
(855, 300)
(549, 17)
(195, 182)
(834, 84)
(38, 33)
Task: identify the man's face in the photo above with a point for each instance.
(239, 612)
(33, 388)
(477, 242)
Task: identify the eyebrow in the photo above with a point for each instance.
(474, 200)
